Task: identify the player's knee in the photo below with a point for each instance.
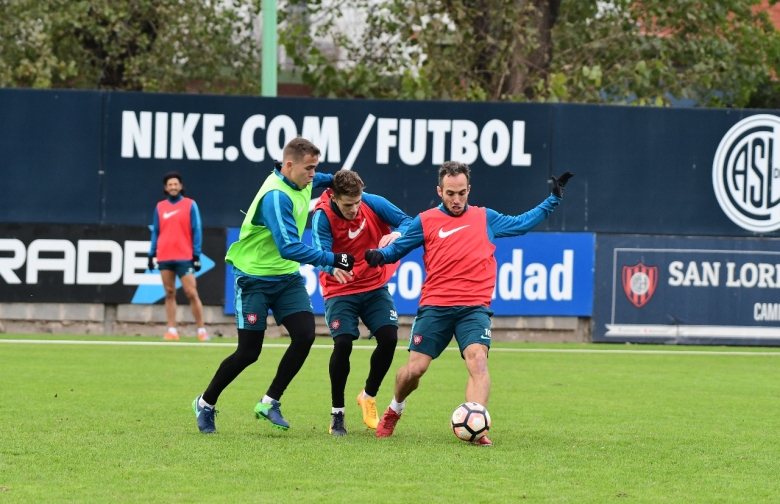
(476, 361)
(192, 293)
(387, 337)
(170, 291)
(342, 344)
(247, 357)
(303, 338)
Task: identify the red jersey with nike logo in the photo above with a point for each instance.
(459, 261)
(355, 237)
(175, 239)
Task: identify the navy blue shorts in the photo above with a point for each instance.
(181, 268)
(376, 308)
(254, 297)
(434, 327)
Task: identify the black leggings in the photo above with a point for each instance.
(381, 360)
(250, 343)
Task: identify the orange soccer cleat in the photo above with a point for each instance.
(169, 336)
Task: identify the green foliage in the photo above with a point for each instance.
(150, 45)
(622, 51)
(718, 53)
(113, 423)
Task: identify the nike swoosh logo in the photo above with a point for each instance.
(445, 234)
(353, 234)
(169, 214)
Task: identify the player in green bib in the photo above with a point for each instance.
(265, 260)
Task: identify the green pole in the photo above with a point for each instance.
(269, 47)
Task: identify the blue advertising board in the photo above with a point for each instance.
(687, 290)
(637, 169)
(538, 274)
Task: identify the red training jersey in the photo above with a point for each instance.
(174, 243)
(355, 237)
(459, 261)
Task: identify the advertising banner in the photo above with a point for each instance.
(687, 290)
(57, 263)
(538, 274)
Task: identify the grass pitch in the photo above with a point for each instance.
(100, 423)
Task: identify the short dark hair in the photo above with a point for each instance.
(453, 168)
(174, 174)
(347, 183)
(299, 147)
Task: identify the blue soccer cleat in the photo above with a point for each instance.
(205, 417)
(272, 413)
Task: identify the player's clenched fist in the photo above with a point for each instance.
(343, 261)
(374, 258)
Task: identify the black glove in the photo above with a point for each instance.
(196, 263)
(151, 263)
(374, 258)
(343, 261)
(559, 183)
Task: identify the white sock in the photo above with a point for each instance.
(366, 396)
(336, 410)
(266, 399)
(172, 330)
(396, 406)
(204, 404)
(201, 330)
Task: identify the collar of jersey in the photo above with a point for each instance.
(286, 180)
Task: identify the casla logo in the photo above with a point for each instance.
(746, 173)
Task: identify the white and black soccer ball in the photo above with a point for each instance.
(470, 421)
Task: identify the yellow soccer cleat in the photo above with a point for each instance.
(368, 405)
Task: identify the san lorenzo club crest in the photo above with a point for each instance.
(639, 282)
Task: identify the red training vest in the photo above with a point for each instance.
(459, 261)
(174, 242)
(355, 237)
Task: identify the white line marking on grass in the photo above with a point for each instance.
(401, 348)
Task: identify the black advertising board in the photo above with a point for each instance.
(95, 264)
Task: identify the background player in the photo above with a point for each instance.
(177, 238)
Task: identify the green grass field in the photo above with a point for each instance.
(101, 423)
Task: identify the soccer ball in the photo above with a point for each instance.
(470, 421)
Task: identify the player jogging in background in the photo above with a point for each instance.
(458, 288)
(348, 219)
(176, 243)
(266, 259)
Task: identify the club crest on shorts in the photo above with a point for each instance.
(335, 324)
(639, 282)
(417, 339)
(251, 318)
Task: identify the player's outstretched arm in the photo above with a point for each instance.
(412, 238)
(501, 226)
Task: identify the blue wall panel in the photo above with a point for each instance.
(50, 156)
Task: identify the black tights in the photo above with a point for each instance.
(381, 360)
(250, 343)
